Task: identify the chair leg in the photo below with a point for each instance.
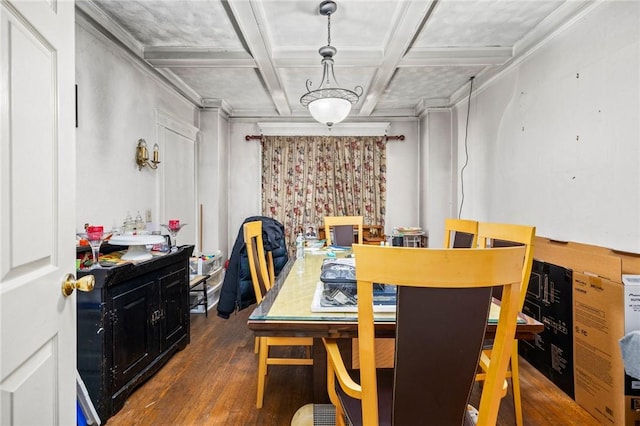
(262, 370)
(340, 417)
(515, 384)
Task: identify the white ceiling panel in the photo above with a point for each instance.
(198, 23)
(254, 56)
(239, 87)
(464, 23)
(410, 85)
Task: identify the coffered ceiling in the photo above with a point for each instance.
(252, 57)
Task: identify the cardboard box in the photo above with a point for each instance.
(604, 310)
(599, 321)
(549, 299)
(632, 323)
(599, 324)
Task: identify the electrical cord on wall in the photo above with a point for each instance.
(466, 149)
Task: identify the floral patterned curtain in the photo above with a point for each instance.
(305, 178)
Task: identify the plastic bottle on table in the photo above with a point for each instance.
(300, 253)
(300, 246)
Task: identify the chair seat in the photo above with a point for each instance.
(384, 376)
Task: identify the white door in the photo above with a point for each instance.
(37, 212)
(177, 192)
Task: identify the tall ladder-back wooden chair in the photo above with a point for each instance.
(504, 235)
(343, 221)
(460, 233)
(262, 282)
(442, 312)
(272, 280)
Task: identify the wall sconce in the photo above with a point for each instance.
(142, 155)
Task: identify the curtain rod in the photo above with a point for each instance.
(389, 138)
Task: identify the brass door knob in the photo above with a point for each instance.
(69, 283)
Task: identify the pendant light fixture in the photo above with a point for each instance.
(329, 104)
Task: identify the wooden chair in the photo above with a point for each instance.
(272, 279)
(333, 221)
(503, 235)
(262, 282)
(460, 233)
(442, 311)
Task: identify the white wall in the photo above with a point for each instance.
(403, 183)
(245, 188)
(436, 198)
(117, 103)
(555, 141)
(213, 180)
(403, 176)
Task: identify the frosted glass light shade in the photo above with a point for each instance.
(330, 111)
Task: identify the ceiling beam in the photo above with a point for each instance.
(296, 58)
(411, 21)
(438, 56)
(251, 21)
(172, 57)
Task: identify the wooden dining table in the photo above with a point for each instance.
(286, 310)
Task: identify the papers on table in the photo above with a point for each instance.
(330, 297)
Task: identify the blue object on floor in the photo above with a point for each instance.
(82, 421)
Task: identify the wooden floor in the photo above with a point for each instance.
(213, 382)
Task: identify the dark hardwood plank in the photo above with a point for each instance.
(213, 382)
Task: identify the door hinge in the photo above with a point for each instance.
(114, 373)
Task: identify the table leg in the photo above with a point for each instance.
(206, 298)
(320, 395)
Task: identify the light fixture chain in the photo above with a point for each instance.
(329, 29)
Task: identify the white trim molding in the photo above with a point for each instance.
(176, 125)
(318, 129)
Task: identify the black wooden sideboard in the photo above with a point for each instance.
(134, 320)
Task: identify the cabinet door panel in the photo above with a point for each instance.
(173, 295)
(135, 341)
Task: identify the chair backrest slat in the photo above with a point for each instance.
(261, 273)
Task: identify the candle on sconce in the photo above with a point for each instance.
(155, 153)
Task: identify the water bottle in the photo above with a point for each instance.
(300, 254)
(300, 246)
